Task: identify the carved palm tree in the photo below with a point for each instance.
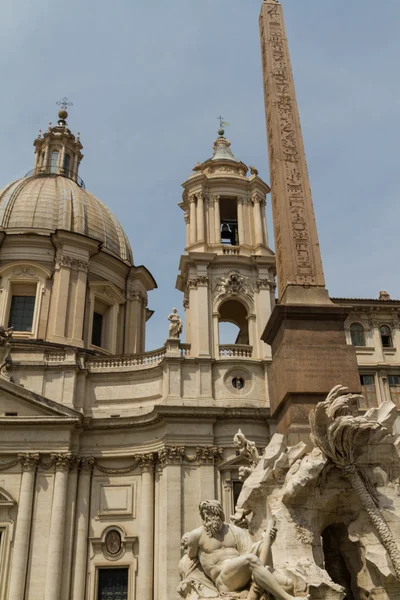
(339, 434)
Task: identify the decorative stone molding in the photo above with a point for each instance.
(64, 260)
(118, 471)
(86, 464)
(137, 294)
(191, 284)
(215, 198)
(147, 461)
(22, 271)
(28, 461)
(186, 302)
(263, 284)
(256, 198)
(177, 455)
(171, 455)
(192, 198)
(234, 284)
(9, 465)
(187, 218)
(202, 280)
(62, 462)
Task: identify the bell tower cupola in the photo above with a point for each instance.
(224, 208)
(58, 150)
(228, 270)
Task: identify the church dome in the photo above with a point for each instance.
(53, 197)
(51, 201)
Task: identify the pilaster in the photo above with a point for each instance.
(55, 549)
(146, 533)
(19, 567)
(82, 528)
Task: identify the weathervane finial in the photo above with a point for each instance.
(222, 124)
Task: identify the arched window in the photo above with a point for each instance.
(54, 162)
(386, 336)
(357, 334)
(67, 160)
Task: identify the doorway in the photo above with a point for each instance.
(113, 584)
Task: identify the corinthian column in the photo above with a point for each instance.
(192, 202)
(200, 217)
(55, 551)
(81, 529)
(217, 220)
(23, 527)
(146, 532)
(257, 219)
(240, 213)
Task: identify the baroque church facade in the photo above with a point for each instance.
(106, 449)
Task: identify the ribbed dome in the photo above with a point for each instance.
(54, 202)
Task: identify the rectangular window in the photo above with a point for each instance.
(394, 386)
(368, 390)
(229, 221)
(97, 329)
(21, 313)
(236, 489)
(113, 584)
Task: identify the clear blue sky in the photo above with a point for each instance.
(148, 80)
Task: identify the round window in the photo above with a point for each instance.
(238, 383)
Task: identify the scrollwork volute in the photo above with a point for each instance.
(29, 461)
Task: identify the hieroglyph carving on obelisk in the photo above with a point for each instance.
(298, 255)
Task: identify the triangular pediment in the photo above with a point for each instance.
(234, 463)
(5, 498)
(17, 403)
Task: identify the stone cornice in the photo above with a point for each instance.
(162, 414)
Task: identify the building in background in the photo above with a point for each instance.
(105, 449)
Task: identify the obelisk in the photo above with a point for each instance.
(306, 330)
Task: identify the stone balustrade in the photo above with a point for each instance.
(235, 351)
(184, 349)
(130, 362)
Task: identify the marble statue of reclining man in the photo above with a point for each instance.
(226, 556)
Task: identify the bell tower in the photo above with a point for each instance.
(228, 271)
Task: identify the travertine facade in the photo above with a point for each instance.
(105, 449)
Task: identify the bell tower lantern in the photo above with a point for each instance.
(228, 271)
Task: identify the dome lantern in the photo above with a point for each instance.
(58, 150)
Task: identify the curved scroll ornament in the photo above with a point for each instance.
(341, 436)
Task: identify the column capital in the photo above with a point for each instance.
(86, 464)
(215, 198)
(192, 198)
(62, 462)
(199, 195)
(241, 199)
(171, 455)
(136, 293)
(256, 198)
(263, 284)
(28, 461)
(147, 461)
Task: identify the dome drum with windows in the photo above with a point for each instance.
(64, 257)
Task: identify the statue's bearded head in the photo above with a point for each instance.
(212, 515)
